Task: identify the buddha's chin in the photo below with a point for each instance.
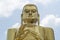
(31, 18)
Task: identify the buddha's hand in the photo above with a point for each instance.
(33, 33)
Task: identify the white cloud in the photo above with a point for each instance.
(16, 25)
(51, 21)
(45, 2)
(8, 6)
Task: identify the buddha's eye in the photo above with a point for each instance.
(33, 11)
(26, 11)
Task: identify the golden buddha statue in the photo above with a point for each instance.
(30, 29)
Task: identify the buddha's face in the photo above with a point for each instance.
(30, 12)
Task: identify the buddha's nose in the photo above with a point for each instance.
(30, 13)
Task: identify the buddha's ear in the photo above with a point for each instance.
(38, 19)
(21, 19)
(21, 15)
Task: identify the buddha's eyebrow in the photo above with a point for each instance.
(26, 9)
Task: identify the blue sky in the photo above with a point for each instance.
(10, 11)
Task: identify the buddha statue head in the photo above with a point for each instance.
(30, 14)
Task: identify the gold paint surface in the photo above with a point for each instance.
(30, 29)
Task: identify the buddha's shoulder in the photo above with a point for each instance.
(45, 28)
(12, 30)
